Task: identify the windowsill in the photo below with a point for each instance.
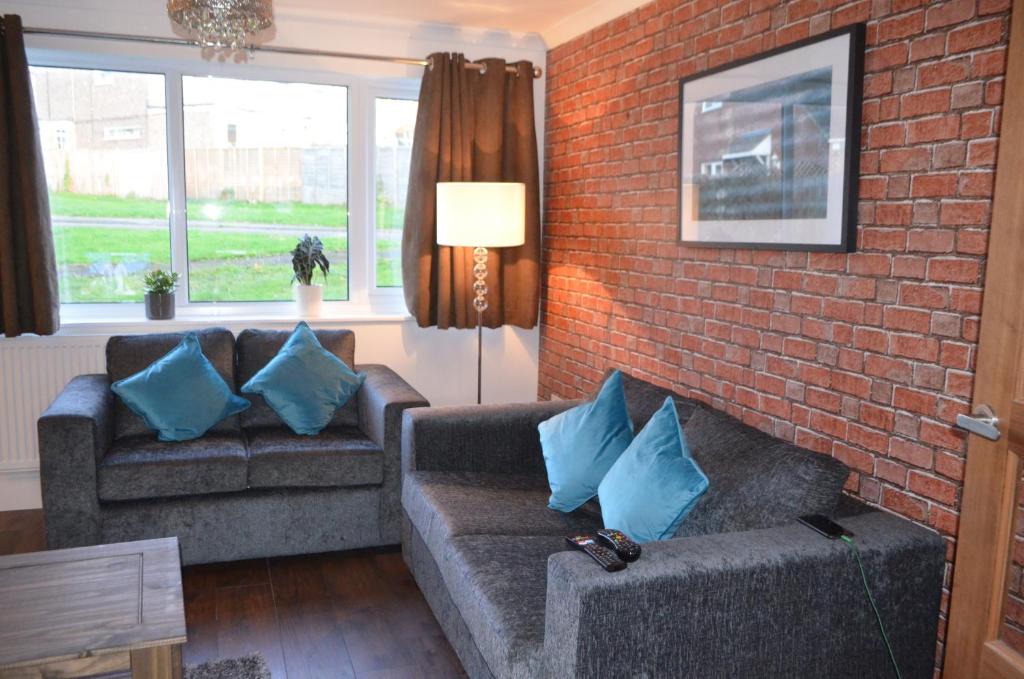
(133, 320)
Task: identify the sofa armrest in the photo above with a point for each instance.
(490, 438)
(75, 432)
(769, 603)
(381, 401)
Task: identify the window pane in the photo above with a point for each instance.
(265, 163)
(104, 139)
(395, 122)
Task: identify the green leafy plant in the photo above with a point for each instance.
(160, 282)
(307, 257)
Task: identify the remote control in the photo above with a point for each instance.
(602, 555)
(627, 550)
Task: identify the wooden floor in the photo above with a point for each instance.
(346, 614)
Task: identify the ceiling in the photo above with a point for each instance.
(555, 20)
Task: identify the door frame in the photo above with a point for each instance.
(988, 507)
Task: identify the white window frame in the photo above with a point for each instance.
(365, 299)
(379, 295)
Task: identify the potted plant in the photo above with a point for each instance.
(160, 287)
(307, 257)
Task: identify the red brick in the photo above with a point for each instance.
(911, 453)
(934, 185)
(978, 35)
(854, 458)
(912, 346)
(925, 103)
(949, 13)
(939, 128)
(901, 318)
(943, 72)
(904, 504)
(905, 159)
(927, 296)
(953, 270)
(887, 134)
(913, 400)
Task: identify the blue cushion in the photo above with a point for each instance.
(304, 383)
(581, 444)
(654, 484)
(180, 395)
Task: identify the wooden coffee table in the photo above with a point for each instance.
(93, 610)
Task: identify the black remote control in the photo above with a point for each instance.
(602, 555)
(627, 550)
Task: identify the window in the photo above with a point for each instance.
(214, 171)
(395, 120)
(108, 201)
(286, 175)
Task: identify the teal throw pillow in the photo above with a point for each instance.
(581, 444)
(304, 383)
(654, 484)
(180, 395)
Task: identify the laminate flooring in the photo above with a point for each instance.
(341, 615)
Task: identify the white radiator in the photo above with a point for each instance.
(33, 370)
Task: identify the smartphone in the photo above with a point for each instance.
(824, 525)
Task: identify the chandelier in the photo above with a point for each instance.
(222, 24)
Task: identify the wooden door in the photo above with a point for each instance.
(986, 626)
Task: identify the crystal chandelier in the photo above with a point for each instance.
(222, 24)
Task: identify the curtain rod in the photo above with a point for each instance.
(537, 71)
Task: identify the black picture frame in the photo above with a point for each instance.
(841, 220)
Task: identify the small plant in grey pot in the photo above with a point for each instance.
(160, 286)
(308, 256)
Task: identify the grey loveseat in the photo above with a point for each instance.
(742, 591)
(249, 487)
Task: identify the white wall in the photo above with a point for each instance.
(440, 364)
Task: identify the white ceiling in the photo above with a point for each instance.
(555, 20)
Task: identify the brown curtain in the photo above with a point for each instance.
(471, 126)
(29, 301)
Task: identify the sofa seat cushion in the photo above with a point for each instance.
(756, 480)
(337, 456)
(499, 585)
(141, 467)
(445, 505)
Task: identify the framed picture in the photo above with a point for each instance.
(769, 148)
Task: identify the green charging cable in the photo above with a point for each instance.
(878, 616)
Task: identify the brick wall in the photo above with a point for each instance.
(868, 356)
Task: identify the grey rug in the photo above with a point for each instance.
(247, 667)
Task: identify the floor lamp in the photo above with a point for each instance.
(481, 215)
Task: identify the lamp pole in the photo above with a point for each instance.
(480, 304)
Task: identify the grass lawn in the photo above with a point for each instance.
(119, 255)
(258, 283)
(140, 249)
(83, 205)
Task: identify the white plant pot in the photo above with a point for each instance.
(309, 300)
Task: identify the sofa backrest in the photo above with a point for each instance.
(128, 354)
(756, 480)
(643, 400)
(256, 348)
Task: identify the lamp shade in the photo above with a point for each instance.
(481, 214)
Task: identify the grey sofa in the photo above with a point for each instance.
(742, 591)
(249, 487)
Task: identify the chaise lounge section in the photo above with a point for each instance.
(249, 487)
(741, 591)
